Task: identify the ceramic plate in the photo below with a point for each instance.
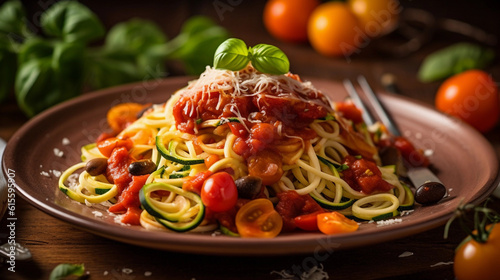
(51, 142)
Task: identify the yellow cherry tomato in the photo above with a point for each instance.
(258, 218)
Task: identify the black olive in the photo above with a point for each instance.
(141, 167)
(248, 186)
(96, 166)
(430, 193)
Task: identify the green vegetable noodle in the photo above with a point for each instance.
(453, 60)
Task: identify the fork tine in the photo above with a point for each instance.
(382, 113)
(366, 114)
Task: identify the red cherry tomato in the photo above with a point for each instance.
(219, 193)
(287, 19)
(308, 222)
(258, 218)
(471, 96)
(349, 111)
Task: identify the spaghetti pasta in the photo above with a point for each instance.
(245, 123)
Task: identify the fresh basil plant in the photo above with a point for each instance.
(46, 70)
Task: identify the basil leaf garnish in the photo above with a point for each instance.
(269, 59)
(232, 55)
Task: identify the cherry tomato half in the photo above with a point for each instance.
(121, 115)
(219, 192)
(475, 260)
(258, 218)
(334, 222)
(333, 30)
(376, 17)
(471, 96)
(287, 19)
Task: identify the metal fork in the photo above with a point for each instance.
(421, 177)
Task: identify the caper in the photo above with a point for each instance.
(430, 193)
(96, 166)
(248, 186)
(141, 167)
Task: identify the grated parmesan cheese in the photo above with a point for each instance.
(248, 82)
(44, 173)
(56, 173)
(389, 222)
(58, 152)
(65, 141)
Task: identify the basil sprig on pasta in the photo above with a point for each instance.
(233, 54)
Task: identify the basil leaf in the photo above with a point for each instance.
(12, 17)
(72, 21)
(64, 270)
(135, 37)
(68, 66)
(453, 60)
(196, 44)
(138, 43)
(111, 69)
(269, 59)
(232, 55)
(34, 82)
(35, 48)
(44, 81)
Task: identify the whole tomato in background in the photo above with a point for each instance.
(287, 19)
(333, 30)
(471, 96)
(476, 260)
(376, 17)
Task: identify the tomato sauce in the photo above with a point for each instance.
(274, 116)
(291, 205)
(364, 176)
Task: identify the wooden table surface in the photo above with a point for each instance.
(423, 256)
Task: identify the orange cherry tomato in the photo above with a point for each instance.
(471, 96)
(287, 19)
(121, 115)
(474, 260)
(258, 218)
(376, 17)
(333, 30)
(334, 222)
